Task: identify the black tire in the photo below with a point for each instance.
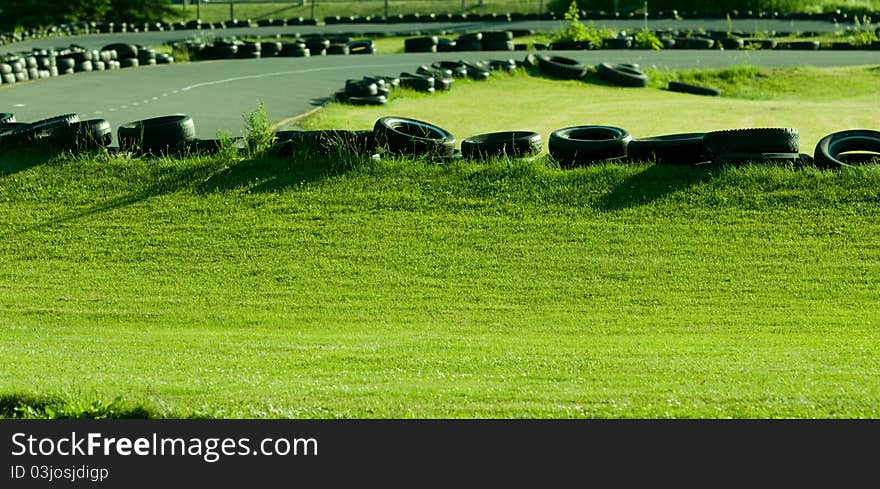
(477, 72)
(801, 45)
(446, 45)
(829, 151)
(83, 67)
(507, 65)
(513, 144)
(732, 43)
(90, 135)
(420, 45)
(15, 135)
(369, 100)
(360, 88)
(617, 43)
(422, 83)
(337, 49)
(270, 49)
(456, 68)
(52, 123)
(361, 47)
(672, 149)
(129, 63)
(157, 135)
(675, 86)
(498, 45)
(621, 75)
(315, 45)
(6, 118)
(560, 67)
(403, 136)
(759, 140)
(502, 36)
(249, 50)
(575, 146)
(325, 143)
(123, 51)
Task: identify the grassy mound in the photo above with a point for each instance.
(310, 288)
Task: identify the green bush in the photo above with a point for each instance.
(576, 31)
(645, 39)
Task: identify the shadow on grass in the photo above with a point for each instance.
(19, 161)
(654, 183)
(274, 173)
(20, 405)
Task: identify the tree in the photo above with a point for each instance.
(41, 13)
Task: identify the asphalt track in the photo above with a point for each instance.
(218, 93)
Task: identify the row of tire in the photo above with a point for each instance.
(503, 41)
(46, 63)
(571, 146)
(301, 47)
(579, 146)
(438, 76)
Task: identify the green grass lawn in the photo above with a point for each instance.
(404, 288)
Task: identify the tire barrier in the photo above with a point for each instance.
(511, 144)
(570, 147)
(48, 63)
(582, 145)
(841, 16)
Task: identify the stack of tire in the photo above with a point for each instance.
(369, 90)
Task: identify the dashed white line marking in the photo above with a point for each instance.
(280, 73)
(98, 112)
(18, 105)
(164, 94)
(124, 107)
(135, 104)
(146, 101)
(175, 91)
(155, 98)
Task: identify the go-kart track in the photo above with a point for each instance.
(217, 93)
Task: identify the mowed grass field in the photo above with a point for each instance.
(402, 288)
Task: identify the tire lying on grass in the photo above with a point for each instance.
(561, 67)
(511, 144)
(752, 141)
(681, 87)
(672, 149)
(622, 75)
(579, 145)
(403, 136)
(157, 135)
(421, 83)
(457, 68)
(90, 135)
(831, 150)
(6, 118)
(324, 143)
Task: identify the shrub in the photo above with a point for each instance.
(576, 31)
(645, 39)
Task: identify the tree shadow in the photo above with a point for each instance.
(272, 173)
(655, 183)
(13, 162)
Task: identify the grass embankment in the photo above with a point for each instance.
(404, 288)
(817, 101)
(304, 288)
